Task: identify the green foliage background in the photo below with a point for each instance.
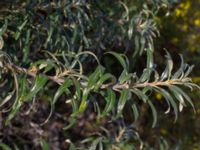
(90, 74)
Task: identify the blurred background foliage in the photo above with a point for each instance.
(98, 27)
(180, 31)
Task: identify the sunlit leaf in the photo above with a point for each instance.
(84, 100)
(168, 70)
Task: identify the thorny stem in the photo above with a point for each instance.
(115, 86)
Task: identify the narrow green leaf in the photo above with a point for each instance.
(154, 113)
(110, 102)
(130, 30)
(184, 95)
(95, 143)
(74, 103)
(120, 59)
(45, 145)
(15, 108)
(178, 96)
(168, 97)
(102, 79)
(142, 44)
(4, 147)
(72, 147)
(150, 58)
(88, 53)
(140, 94)
(3, 28)
(7, 98)
(17, 34)
(50, 32)
(146, 75)
(190, 68)
(26, 45)
(124, 77)
(168, 70)
(78, 88)
(135, 111)
(93, 78)
(122, 101)
(137, 45)
(63, 88)
(84, 101)
(19, 100)
(72, 120)
(40, 81)
(1, 44)
(180, 72)
(46, 64)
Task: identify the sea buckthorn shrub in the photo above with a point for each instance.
(81, 74)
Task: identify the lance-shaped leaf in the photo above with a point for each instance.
(168, 70)
(7, 98)
(150, 62)
(154, 113)
(72, 147)
(186, 97)
(26, 44)
(62, 89)
(78, 88)
(74, 104)
(125, 76)
(189, 70)
(40, 81)
(179, 97)
(47, 65)
(17, 34)
(135, 111)
(93, 78)
(95, 143)
(145, 77)
(15, 108)
(140, 94)
(180, 72)
(122, 101)
(137, 45)
(142, 44)
(183, 95)
(121, 60)
(110, 102)
(4, 146)
(3, 28)
(169, 98)
(84, 100)
(45, 145)
(50, 32)
(19, 100)
(104, 78)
